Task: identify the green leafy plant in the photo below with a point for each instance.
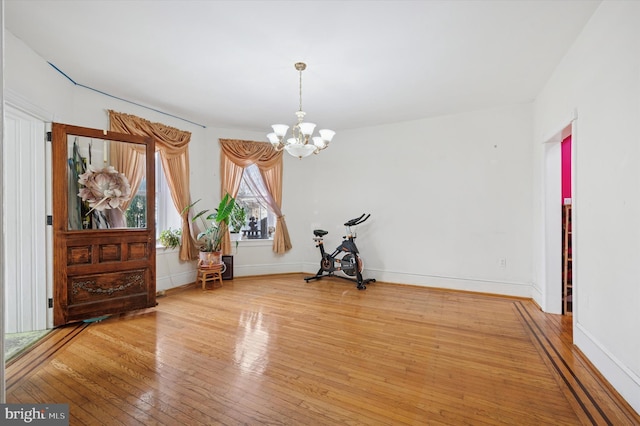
(214, 224)
(170, 238)
(238, 217)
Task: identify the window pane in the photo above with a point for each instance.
(136, 213)
(260, 221)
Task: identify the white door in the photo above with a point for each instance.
(24, 204)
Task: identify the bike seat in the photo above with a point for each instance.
(320, 232)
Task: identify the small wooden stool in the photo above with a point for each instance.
(210, 273)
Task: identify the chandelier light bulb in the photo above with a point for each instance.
(307, 128)
(327, 134)
(298, 145)
(319, 142)
(280, 129)
(273, 138)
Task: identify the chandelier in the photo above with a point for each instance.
(298, 145)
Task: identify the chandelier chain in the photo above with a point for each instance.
(300, 89)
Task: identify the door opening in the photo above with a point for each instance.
(25, 212)
(567, 228)
(26, 272)
(559, 222)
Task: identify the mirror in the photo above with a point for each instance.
(107, 184)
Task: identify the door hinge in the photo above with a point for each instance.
(49, 220)
(50, 302)
(48, 137)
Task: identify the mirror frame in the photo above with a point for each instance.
(61, 189)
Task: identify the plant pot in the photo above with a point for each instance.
(210, 258)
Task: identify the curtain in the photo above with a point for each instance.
(262, 183)
(273, 181)
(172, 145)
(235, 155)
(129, 161)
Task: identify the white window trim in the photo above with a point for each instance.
(165, 207)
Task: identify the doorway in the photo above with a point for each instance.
(26, 271)
(567, 228)
(559, 192)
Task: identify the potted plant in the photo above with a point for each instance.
(237, 219)
(170, 238)
(214, 227)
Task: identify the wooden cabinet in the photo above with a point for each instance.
(567, 261)
(104, 256)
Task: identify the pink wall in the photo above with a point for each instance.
(566, 168)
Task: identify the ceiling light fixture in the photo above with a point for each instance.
(298, 145)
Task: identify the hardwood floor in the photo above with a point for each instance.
(276, 350)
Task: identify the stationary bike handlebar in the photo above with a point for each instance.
(357, 221)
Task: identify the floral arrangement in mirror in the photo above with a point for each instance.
(104, 188)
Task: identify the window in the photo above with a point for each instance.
(166, 214)
(136, 213)
(260, 221)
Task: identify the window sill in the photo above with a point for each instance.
(247, 242)
(253, 242)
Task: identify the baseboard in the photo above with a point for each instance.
(175, 280)
(625, 381)
(505, 288)
(536, 295)
(265, 269)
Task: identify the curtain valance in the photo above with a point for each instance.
(168, 139)
(244, 153)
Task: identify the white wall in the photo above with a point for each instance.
(599, 78)
(449, 198)
(30, 80)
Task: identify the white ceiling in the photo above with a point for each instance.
(231, 63)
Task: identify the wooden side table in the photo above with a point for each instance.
(210, 273)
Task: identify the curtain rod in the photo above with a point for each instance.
(121, 99)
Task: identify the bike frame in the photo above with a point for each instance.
(350, 263)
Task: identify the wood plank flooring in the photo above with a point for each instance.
(276, 350)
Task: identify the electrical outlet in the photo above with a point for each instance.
(502, 262)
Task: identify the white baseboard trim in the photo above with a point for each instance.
(536, 295)
(175, 280)
(265, 269)
(625, 381)
(507, 288)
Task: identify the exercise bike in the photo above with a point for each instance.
(350, 263)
